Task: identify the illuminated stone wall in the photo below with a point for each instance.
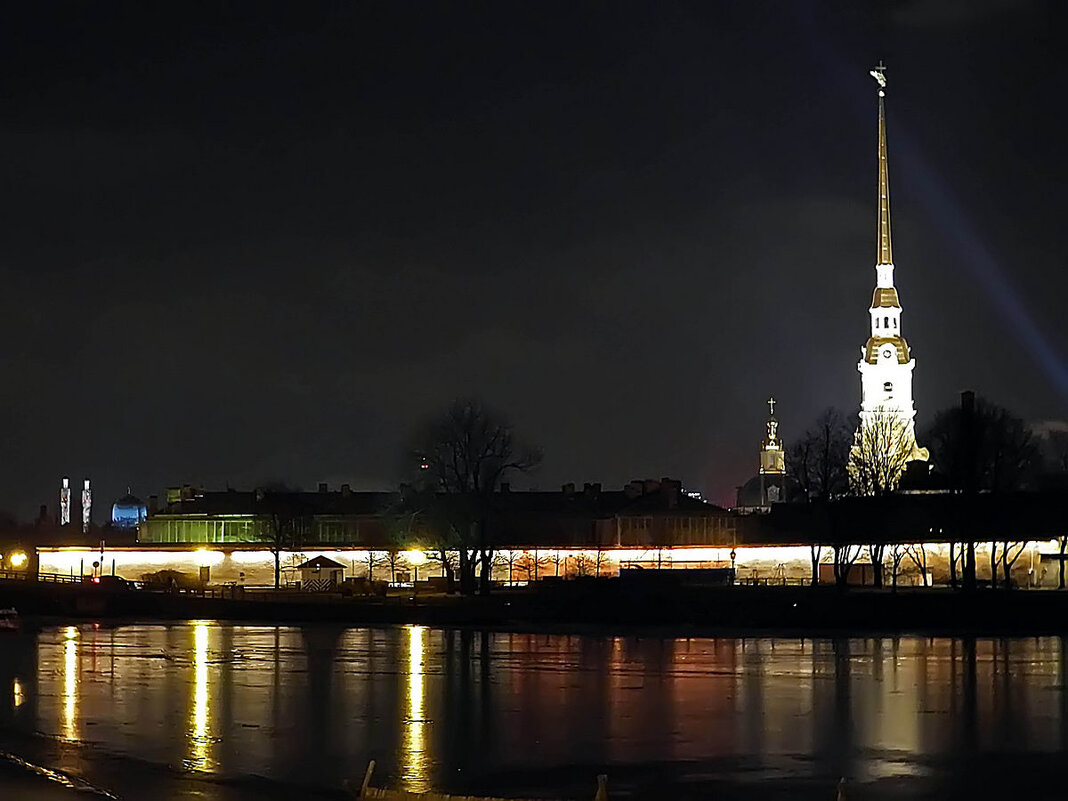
(773, 563)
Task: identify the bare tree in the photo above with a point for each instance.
(581, 565)
(1055, 449)
(426, 519)
(507, 558)
(285, 521)
(845, 556)
(981, 447)
(1003, 454)
(466, 453)
(532, 564)
(875, 554)
(884, 445)
(815, 552)
(818, 460)
(897, 556)
(372, 561)
(393, 559)
(599, 560)
(1009, 557)
(917, 554)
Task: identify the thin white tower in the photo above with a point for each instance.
(886, 363)
(87, 505)
(64, 502)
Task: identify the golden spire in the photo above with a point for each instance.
(885, 254)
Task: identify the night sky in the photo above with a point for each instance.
(262, 243)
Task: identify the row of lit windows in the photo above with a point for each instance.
(682, 530)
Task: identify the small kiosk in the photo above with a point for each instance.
(321, 575)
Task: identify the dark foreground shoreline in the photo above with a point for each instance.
(602, 605)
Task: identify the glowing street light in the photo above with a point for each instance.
(415, 558)
(17, 559)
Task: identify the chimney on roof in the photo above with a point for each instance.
(633, 489)
(568, 488)
(322, 487)
(670, 489)
(650, 485)
(346, 490)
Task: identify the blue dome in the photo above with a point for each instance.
(128, 512)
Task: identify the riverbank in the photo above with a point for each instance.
(601, 604)
(39, 768)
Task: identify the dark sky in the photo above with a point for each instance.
(263, 243)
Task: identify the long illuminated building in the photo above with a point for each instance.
(226, 537)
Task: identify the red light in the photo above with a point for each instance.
(96, 579)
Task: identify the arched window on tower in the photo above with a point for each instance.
(876, 322)
(895, 322)
(886, 322)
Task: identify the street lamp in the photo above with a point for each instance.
(415, 558)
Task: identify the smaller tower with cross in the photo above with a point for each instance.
(772, 452)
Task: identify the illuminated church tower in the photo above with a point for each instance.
(772, 484)
(886, 364)
(772, 455)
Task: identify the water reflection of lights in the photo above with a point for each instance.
(70, 683)
(415, 771)
(200, 738)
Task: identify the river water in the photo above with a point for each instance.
(541, 714)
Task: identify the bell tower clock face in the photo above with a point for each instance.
(888, 352)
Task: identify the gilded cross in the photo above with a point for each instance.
(771, 405)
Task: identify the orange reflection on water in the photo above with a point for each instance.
(70, 684)
(200, 740)
(415, 763)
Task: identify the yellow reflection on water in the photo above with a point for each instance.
(70, 683)
(415, 771)
(200, 737)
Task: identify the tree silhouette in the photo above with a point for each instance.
(981, 447)
(285, 521)
(818, 460)
(463, 456)
(884, 445)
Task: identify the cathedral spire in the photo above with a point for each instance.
(885, 254)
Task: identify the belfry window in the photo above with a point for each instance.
(886, 322)
(876, 322)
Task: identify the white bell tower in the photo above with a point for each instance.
(886, 363)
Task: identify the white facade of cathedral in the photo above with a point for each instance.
(886, 363)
